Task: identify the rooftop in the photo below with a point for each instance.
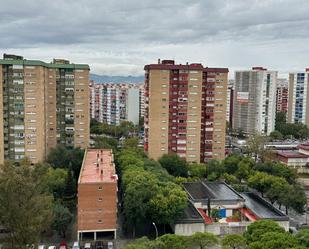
(211, 190)
(261, 208)
(191, 214)
(303, 146)
(57, 63)
(98, 166)
(170, 65)
(291, 154)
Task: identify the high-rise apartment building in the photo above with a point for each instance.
(298, 111)
(282, 95)
(42, 105)
(255, 101)
(113, 103)
(229, 102)
(185, 110)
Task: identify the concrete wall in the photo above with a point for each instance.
(189, 229)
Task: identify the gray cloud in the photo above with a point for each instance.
(119, 37)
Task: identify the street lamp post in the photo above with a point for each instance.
(154, 224)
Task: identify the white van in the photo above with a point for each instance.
(110, 245)
(87, 246)
(76, 245)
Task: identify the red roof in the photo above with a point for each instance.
(249, 214)
(291, 154)
(303, 146)
(207, 219)
(98, 167)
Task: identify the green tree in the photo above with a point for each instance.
(243, 171)
(275, 193)
(275, 240)
(61, 219)
(256, 230)
(203, 240)
(233, 241)
(145, 243)
(260, 181)
(173, 241)
(276, 135)
(68, 158)
(231, 163)
(174, 165)
(138, 192)
(168, 204)
(25, 206)
(215, 170)
(255, 146)
(303, 237)
(131, 142)
(280, 119)
(106, 143)
(197, 170)
(56, 180)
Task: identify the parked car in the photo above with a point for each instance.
(52, 247)
(99, 245)
(63, 245)
(87, 246)
(110, 245)
(76, 245)
(42, 247)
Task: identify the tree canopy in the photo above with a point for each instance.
(25, 204)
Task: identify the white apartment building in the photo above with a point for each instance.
(254, 107)
(298, 111)
(113, 103)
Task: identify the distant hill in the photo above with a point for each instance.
(116, 79)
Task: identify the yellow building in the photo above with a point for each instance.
(42, 105)
(185, 109)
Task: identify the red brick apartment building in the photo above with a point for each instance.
(185, 110)
(97, 195)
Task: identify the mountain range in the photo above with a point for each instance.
(116, 79)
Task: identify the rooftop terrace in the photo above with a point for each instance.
(98, 166)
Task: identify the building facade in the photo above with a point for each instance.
(97, 195)
(282, 95)
(113, 103)
(185, 111)
(229, 102)
(298, 112)
(255, 101)
(42, 105)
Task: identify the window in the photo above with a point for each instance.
(100, 188)
(100, 199)
(100, 221)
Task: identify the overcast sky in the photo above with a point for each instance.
(118, 37)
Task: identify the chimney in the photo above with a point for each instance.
(159, 61)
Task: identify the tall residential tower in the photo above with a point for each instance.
(255, 101)
(185, 110)
(42, 105)
(298, 110)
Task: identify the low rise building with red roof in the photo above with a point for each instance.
(298, 159)
(97, 195)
